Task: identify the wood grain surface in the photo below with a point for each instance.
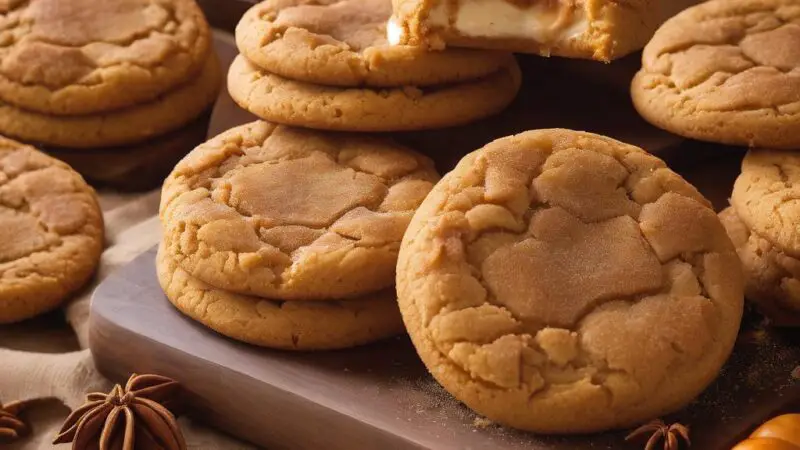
(380, 396)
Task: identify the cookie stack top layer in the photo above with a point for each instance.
(51, 231)
(766, 195)
(553, 271)
(726, 71)
(89, 56)
(343, 43)
(294, 214)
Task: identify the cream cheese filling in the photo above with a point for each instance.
(501, 19)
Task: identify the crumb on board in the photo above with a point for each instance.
(482, 422)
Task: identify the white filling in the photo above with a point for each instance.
(393, 32)
(501, 19)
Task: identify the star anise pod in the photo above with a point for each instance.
(11, 426)
(132, 418)
(659, 431)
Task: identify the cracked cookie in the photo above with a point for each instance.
(563, 282)
(131, 125)
(766, 196)
(283, 325)
(772, 278)
(291, 102)
(51, 232)
(88, 56)
(598, 29)
(726, 71)
(343, 43)
(293, 214)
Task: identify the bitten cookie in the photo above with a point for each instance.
(282, 100)
(89, 56)
(283, 325)
(726, 71)
(562, 282)
(51, 232)
(293, 214)
(120, 127)
(596, 29)
(343, 43)
(772, 278)
(766, 196)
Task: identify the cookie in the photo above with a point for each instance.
(51, 232)
(726, 71)
(343, 43)
(88, 57)
(282, 325)
(765, 197)
(592, 29)
(772, 278)
(564, 282)
(293, 214)
(290, 102)
(122, 127)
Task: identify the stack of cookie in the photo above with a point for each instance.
(762, 222)
(327, 64)
(728, 71)
(288, 237)
(95, 78)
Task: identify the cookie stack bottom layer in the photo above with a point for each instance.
(295, 325)
(291, 102)
(133, 125)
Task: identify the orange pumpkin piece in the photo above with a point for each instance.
(779, 433)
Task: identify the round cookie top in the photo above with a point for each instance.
(344, 43)
(286, 325)
(288, 213)
(87, 56)
(766, 197)
(555, 271)
(726, 71)
(51, 231)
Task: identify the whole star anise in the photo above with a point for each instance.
(659, 431)
(132, 418)
(11, 426)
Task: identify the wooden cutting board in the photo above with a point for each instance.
(380, 396)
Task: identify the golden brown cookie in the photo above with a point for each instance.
(51, 232)
(89, 56)
(772, 278)
(293, 214)
(290, 102)
(283, 325)
(343, 43)
(726, 71)
(562, 282)
(766, 196)
(598, 29)
(121, 127)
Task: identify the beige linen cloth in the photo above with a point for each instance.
(46, 360)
